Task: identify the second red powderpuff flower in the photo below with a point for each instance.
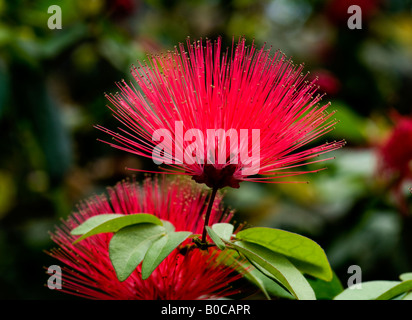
(188, 273)
(222, 116)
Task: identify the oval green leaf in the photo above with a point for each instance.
(168, 226)
(93, 222)
(369, 290)
(160, 249)
(406, 276)
(303, 252)
(112, 223)
(215, 238)
(278, 267)
(397, 290)
(407, 296)
(268, 287)
(265, 284)
(129, 245)
(223, 230)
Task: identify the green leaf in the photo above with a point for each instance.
(93, 222)
(160, 249)
(168, 226)
(215, 238)
(278, 267)
(152, 254)
(303, 252)
(406, 276)
(267, 285)
(223, 230)
(378, 290)
(403, 287)
(111, 223)
(326, 290)
(129, 245)
(251, 274)
(370, 290)
(408, 296)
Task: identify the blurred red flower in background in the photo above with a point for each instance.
(396, 157)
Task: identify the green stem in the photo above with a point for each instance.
(209, 210)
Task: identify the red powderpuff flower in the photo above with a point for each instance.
(396, 152)
(222, 117)
(186, 274)
(396, 156)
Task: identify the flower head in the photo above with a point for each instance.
(396, 152)
(187, 273)
(396, 157)
(222, 116)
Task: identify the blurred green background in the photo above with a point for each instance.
(52, 85)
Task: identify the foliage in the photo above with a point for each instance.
(278, 260)
(380, 290)
(143, 238)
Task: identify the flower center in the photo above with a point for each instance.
(218, 178)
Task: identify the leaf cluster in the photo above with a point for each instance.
(276, 261)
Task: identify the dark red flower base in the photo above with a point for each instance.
(218, 178)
